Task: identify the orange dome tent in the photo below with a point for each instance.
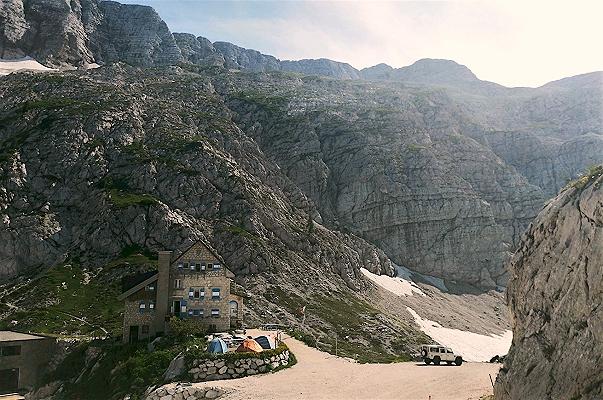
(249, 345)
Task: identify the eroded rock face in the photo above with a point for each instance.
(240, 58)
(79, 32)
(555, 295)
(90, 164)
(322, 67)
(198, 50)
(53, 31)
(134, 34)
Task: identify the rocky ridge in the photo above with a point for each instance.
(555, 295)
(413, 213)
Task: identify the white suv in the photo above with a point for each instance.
(437, 354)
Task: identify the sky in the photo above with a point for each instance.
(512, 42)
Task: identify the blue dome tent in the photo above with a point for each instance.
(218, 346)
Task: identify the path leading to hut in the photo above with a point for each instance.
(319, 375)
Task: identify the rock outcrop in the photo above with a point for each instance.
(198, 50)
(236, 57)
(555, 295)
(322, 67)
(133, 34)
(80, 32)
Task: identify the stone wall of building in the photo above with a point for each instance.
(206, 280)
(32, 360)
(134, 317)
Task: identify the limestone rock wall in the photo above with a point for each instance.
(555, 295)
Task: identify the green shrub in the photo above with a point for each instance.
(182, 328)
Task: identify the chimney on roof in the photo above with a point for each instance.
(163, 290)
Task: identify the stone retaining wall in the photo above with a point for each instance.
(184, 392)
(217, 369)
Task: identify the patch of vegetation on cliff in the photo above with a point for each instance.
(269, 103)
(589, 176)
(349, 318)
(121, 195)
(69, 300)
(121, 199)
(65, 300)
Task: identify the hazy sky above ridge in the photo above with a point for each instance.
(514, 43)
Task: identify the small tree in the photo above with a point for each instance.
(181, 328)
(310, 225)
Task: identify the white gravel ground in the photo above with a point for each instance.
(320, 375)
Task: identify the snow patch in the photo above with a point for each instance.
(399, 285)
(471, 346)
(20, 64)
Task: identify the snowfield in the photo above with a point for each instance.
(400, 285)
(20, 64)
(472, 346)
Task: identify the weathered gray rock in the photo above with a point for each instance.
(175, 369)
(555, 295)
(321, 66)
(198, 50)
(133, 34)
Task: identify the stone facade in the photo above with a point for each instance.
(140, 312)
(195, 285)
(22, 360)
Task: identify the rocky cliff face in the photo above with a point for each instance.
(442, 171)
(73, 33)
(555, 295)
(53, 31)
(198, 50)
(391, 164)
(133, 34)
(322, 67)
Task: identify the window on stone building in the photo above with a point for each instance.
(199, 267)
(10, 351)
(192, 266)
(210, 266)
(180, 265)
(215, 294)
(150, 288)
(142, 306)
(177, 284)
(215, 313)
(217, 266)
(151, 305)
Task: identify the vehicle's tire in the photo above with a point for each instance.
(427, 361)
(458, 360)
(424, 353)
(436, 360)
(449, 362)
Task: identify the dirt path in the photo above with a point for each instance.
(319, 375)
